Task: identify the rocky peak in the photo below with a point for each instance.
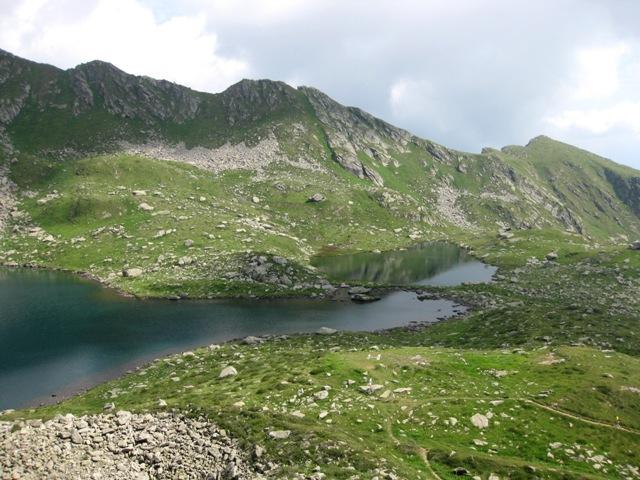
(540, 139)
(340, 117)
(351, 131)
(251, 100)
(131, 96)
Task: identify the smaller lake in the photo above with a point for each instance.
(437, 264)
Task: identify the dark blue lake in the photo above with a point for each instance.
(60, 333)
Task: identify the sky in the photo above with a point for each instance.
(465, 73)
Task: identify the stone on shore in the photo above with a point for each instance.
(132, 272)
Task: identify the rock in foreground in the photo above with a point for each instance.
(159, 446)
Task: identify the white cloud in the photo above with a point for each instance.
(603, 99)
(466, 74)
(624, 115)
(411, 100)
(598, 71)
(127, 34)
(258, 13)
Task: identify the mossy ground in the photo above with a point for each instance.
(99, 228)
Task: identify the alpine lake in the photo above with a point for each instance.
(60, 333)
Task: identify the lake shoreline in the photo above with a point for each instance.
(140, 364)
(337, 308)
(310, 294)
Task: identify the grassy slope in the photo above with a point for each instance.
(97, 192)
(578, 402)
(589, 297)
(577, 179)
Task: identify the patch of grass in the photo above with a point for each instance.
(539, 421)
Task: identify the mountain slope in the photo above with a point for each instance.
(76, 143)
(161, 191)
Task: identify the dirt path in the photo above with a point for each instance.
(549, 408)
(423, 453)
(579, 418)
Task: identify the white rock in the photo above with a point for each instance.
(228, 372)
(132, 272)
(326, 331)
(321, 395)
(280, 434)
(402, 390)
(480, 421)
(371, 388)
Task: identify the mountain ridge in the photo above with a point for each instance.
(266, 140)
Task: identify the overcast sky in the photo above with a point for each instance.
(467, 74)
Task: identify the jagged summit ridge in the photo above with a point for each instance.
(254, 124)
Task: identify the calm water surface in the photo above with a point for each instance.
(59, 333)
(439, 264)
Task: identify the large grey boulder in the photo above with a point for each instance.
(132, 272)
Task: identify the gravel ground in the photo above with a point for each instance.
(122, 446)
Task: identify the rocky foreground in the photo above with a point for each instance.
(123, 446)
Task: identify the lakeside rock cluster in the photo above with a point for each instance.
(123, 446)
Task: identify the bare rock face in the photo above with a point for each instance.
(251, 100)
(350, 130)
(7, 197)
(131, 96)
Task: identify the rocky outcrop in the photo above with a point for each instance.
(350, 163)
(131, 96)
(626, 189)
(124, 445)
(350, 131)
(252, 100)
(7, 197)
(14, 89)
